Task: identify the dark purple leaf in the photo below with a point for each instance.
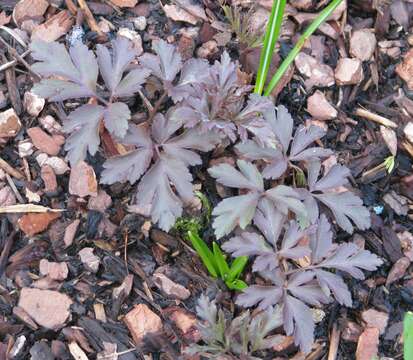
(116, 118)
(83, 125)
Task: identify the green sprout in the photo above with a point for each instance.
(215, 261)
(271, 36)
(408, 336)
(389, 163)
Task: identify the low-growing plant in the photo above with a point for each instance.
(215, 261)
(237, 338)
(284, 200)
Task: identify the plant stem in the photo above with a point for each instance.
(300, 43)
(271, 37)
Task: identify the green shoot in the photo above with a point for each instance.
(389, 163)
(216, 263)
(270, 39)
(204, 253)
(408, 336)
(300, 43)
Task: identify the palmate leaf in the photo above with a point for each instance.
(83, 127)
(160, 161)
(113, 66)
(79, 69)
(78, 72)
(277, 154)
(268, 254)
(166, 64)
(300, 287)
(240, 210)
(344, 205)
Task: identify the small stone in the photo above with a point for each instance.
(140, 23)
(207, 49)
(33, 104)
(25, 148)
(48, 308)
(362, 44)
(170, 288)
(317, 74)
(70, 232)
(58, 165)
(125, 3)
(44, 142)
(50, 124)
(100, 202)
(32, 196)
(89, 259)
(104, 26)
(10, 123)
(55, 270)
(319, 107)
(376, 319)
(49, 178)
(408, 131)
(134, 37)
(349, 71)
(368, 344)
(142, 321)
(176, 13)
(82, 181)
(405, 69)
(34, 223)
(351, 331)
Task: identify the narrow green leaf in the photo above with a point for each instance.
(220, 261)
(204, 253)
(237, 267)
(408, 336)
(236, 285)
(300, 43)
(271, 37)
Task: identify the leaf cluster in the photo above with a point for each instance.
(238, 338)
(216, 263)
(286, 230)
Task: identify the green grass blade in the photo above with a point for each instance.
(408, 336)
(220, 261)
(300, 43)
(237, 267)
(204, 253)
(270, 39)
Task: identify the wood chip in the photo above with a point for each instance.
(142, 321)
(48, 308)
(34, 223)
